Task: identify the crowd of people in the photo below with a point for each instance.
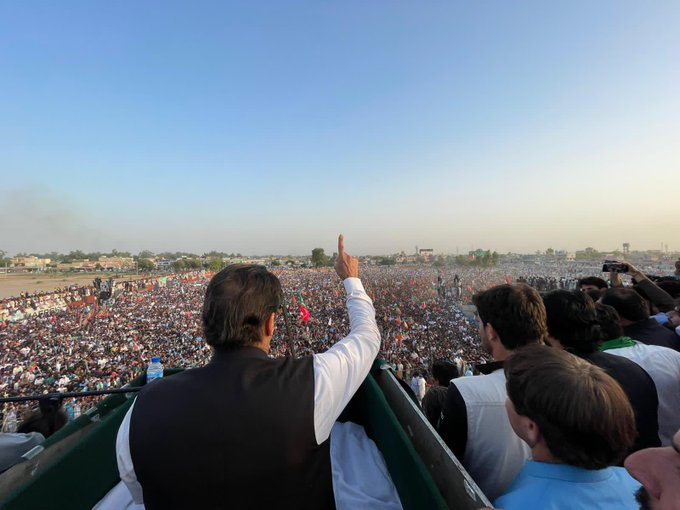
(68, 340)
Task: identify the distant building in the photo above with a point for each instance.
(164, 264)
(405, 259)
(29, 262)
(426, 253)
(112, 263)
(478, 254)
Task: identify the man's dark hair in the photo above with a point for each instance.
(671, 286)
(238, 301)
(572, 319)
(610, 327)
(443, 371)
(516, 312)
(49, 418)
(583, 414)
(593, 280)
(628, 303)
(594, 294)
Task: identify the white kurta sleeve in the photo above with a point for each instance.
(339, 372)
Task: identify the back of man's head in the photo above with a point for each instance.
(594, 294)
(610, 327)
(582, 413)
(593, 282)
(628, 304)
(572, 319)
(238, 301)
(516, 313)
(443, 371)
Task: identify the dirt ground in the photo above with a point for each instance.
(13, 284)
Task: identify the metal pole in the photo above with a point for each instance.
(289, 341)
(70, 394)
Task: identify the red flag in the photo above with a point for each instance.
(507, 279)
(304, 313)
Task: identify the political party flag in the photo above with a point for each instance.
(304, 313)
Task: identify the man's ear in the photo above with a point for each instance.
(531, 431)
(270, 325)
(491, 334)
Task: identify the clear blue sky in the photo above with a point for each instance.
(269, 127)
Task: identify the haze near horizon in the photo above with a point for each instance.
(270, 127)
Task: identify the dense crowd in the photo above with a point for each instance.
(68, 341)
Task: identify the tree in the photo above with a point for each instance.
(146, 254)
(550, 252)
(215, 264)
(387, 261)
(145, 265)
(319, 258)
(439, 262)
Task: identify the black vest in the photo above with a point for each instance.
(640, 389)
(236, 433)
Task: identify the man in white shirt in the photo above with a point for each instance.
(209, 437)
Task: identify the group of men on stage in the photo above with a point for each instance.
(555, 421)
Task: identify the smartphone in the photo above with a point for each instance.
(612, 266)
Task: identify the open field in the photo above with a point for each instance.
(12, 284)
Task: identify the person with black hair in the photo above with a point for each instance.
(474, 424)
(579, 425)
(634, 316)
(573, 326)
(592, 283)
(443, 371)
(247, 430)
(662, 365)
(49, 418)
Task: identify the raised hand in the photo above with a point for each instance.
(345, 265)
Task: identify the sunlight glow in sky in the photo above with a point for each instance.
(270, 127)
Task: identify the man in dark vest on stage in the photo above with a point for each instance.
(247, 430)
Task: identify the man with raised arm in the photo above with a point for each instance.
(246, 430)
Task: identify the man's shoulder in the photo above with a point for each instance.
(616, 363)
(483, 388)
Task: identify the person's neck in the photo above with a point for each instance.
(263, 346)
(540, 453)
(500, 353)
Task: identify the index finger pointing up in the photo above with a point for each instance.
(341, 245)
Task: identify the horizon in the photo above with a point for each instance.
(238, 254)
(272, 127)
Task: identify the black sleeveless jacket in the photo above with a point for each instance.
(236, 433)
